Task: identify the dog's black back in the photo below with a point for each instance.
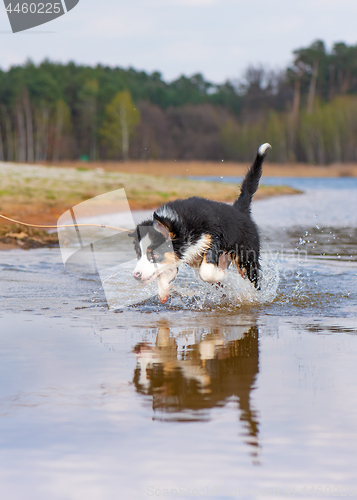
(228, 229)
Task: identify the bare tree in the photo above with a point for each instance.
(296, 102)
(42, 129)
(29, 126)
(1, 147)
(58, 129)
(124, 132)
(9, 137)
(21, 146)
(312, 88)
(309, 60)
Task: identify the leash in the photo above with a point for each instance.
(65, 225)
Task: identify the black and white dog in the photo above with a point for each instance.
(201, 233)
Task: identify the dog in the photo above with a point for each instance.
(201, 233)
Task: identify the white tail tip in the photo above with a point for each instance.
(263, 148)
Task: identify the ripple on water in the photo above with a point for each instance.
(189, 292)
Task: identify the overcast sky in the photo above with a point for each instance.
(218, 38)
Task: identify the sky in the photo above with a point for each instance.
(218, 38)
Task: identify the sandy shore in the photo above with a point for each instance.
(39, 194)
(228, 169)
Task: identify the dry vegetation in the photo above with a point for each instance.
(40, 194)
(227, 169)
(15, 236)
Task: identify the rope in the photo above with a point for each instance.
(65, 225)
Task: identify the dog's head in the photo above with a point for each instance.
(154, 250)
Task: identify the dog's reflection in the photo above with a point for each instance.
(188, 372)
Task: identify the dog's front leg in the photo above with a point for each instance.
(164, 284)
(209, 270)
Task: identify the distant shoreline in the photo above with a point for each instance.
(223, 168)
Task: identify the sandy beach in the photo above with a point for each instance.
(39, 194)
(225, 168)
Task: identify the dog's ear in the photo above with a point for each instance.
(163, 226)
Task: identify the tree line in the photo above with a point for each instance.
(308, 111)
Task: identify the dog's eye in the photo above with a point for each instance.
(151, 256)
(154, 257)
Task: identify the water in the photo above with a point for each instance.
(219, 393)
(303, 183)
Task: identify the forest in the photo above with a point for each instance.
(307, 111)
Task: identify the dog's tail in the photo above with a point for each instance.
(251, 180)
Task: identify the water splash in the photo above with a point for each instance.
(189, 292)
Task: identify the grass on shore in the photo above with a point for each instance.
(30, 185)
(218, 168)
(39, 194)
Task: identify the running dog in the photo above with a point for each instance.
(201, 233)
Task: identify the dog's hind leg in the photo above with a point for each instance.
(241, 270)
(248, 267)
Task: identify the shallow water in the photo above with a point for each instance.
(220, 393)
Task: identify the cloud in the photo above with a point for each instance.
(218, 38)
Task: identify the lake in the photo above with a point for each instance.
(221, 393)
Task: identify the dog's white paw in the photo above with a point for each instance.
(211, 273)
(263, 148)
